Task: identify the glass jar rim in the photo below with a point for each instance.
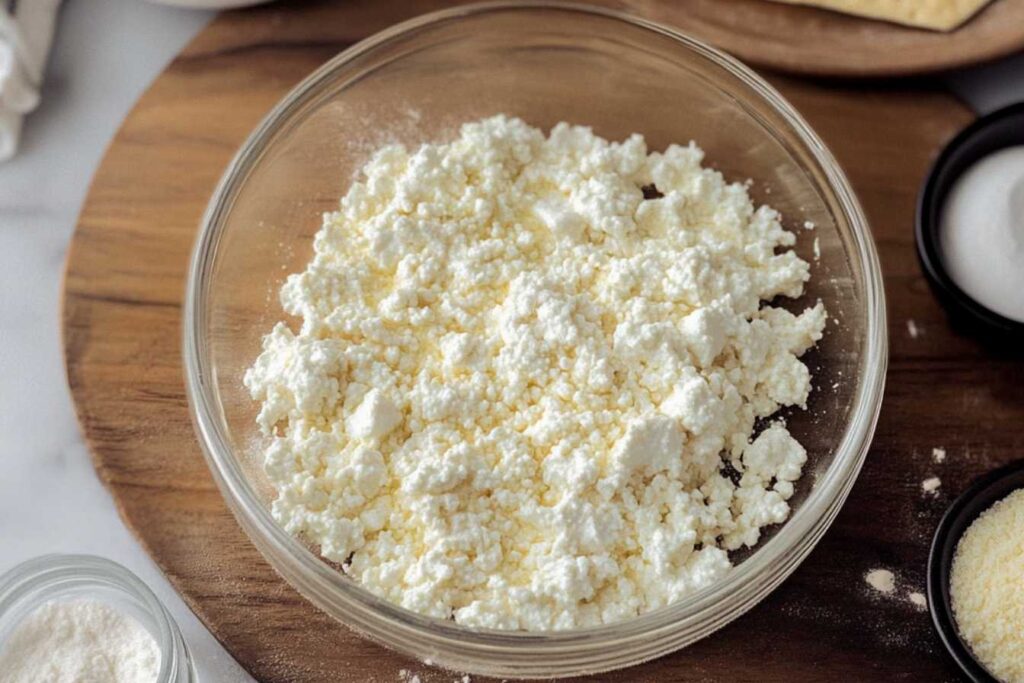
(41, 579)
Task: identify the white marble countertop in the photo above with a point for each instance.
(106, 52)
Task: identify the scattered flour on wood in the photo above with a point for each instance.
(985, 583)
(882, 580)
(522, 361)
(406, 676)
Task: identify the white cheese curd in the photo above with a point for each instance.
(517, 382)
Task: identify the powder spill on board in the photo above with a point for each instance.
(885, 583)
(554, 333)
(982, 232)
(406, 676)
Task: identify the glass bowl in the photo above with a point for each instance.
(35, 582)
(544, 63)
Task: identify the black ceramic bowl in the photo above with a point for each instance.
(981, 495)
(998, 130)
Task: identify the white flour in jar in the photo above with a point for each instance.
(79, 641)
(982, 232)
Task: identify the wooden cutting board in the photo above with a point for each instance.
(813, 41)
(122, 307)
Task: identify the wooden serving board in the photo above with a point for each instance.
(813, 41)
(122, 308)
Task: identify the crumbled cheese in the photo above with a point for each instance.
(522, 366)
(985, 587)
(939, 455)
(931, 485)
(882, 580)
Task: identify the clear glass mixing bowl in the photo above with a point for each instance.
(545, 63)
(35, 582)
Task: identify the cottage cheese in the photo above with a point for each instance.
(984, 588)
(520, 387)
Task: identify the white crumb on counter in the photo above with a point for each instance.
(809, 225)
(913, 329)
(918, 600)
(882, 580)
(931, 485)
(939, 455)
(817, 249)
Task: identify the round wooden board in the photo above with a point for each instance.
(122, 306)
(812, 41)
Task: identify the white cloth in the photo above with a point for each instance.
(25, 40)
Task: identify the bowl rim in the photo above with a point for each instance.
(325, 587)
(967, 147)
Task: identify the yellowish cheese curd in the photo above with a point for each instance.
(524, 387)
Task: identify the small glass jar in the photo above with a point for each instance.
(31, 584)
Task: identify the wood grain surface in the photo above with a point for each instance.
(122, 307)
(813, 41)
